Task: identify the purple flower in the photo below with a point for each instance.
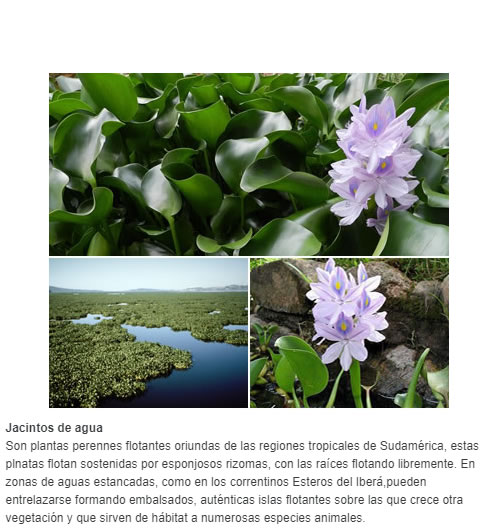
(378, 163)
(346, 311)
(348, 341)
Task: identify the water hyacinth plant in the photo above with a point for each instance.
(378, 164)
(248, 164)
(346, 312)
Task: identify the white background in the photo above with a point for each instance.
(268, 36)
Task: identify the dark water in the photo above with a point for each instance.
(218, 376)
(236, 327)
(91, 318)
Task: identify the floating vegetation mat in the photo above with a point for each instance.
(88, 362)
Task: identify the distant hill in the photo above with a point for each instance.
(230, 288)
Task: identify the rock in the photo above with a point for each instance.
(426, 299)
(394, 284)
(396, 368)
(276, 286)
(445, 290)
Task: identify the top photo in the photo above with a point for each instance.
(279, 164)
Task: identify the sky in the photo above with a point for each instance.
(116, 274)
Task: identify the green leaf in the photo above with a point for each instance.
(114, 92)
(98, 211)
(269, 173)
(207, 245)
(210, 246)
(179, 155)
(305, 362)
(64, 106)
(255, 124)
(424, 99)
(241, 242)
(128, 179)
(281, 237)
(242, 82)
(284, 374)
(303, 101)
(435, 199)
(432, 130)
(227, 220)
(255, 368)
(400, 398)
(159, 193)
(202, 193)
(57, 182)
(398, 91)
(355, 85)
(319, 220)
(206, 124)
(412, 236)
(439, 216)
(160, 81)
(439, 383)
(78, 141)
(234, 156)
(98, 246)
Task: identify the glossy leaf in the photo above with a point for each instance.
(202, 192)
(285, 375)
(255, 124)
(159, 193)
(160, 81)
(281, 237)
(319, 220)
(424, 99)
(128, 179)
(412, 236)
(269, 173)
(99, 210)
(255, 368)
(303, 101)
(306, 364)
(78, 141)
(114, 92)
(234, 156)
(64, 106)
(98, 246)
(206, 124)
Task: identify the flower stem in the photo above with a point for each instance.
(331, 400)
(295, 398)
(172, 225)
(355, 381)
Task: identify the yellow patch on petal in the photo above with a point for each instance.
(337, 285)
(343, 326)
(375, 126)
(384, 165)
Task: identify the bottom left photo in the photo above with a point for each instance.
(148, 332)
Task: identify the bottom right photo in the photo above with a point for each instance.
(349, 333)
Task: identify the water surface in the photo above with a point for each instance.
(218, 376)
(91, 319)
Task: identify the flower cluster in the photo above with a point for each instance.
(378, 163)
(346, 311)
